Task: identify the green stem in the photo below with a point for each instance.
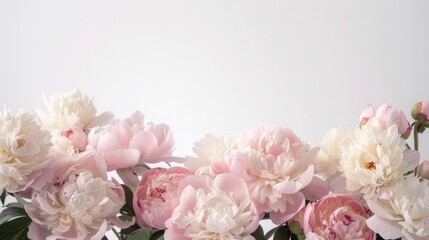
(416, 136)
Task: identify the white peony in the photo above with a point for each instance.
(24, 146)
(374, 157)
(72, 109)
(405, 214)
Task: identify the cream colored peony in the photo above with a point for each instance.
(375, 157)
(72, 109)
(328, 158)
(405, 214)
(209, 149)
(24, 146)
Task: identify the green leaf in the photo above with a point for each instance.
(3, 197)
(14, 225)
(14, 204)
(259, 233)
(130, 229)
(271, 232)
(128, 209)
(10, 213)
(282, 233)
(15, 229)
(21, 235)
(142, 234)
(157, 235)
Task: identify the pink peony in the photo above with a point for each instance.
(79, 203)
(128, 143)
(218, 208)
(156, 196)
(336, 217)
(387, 116)
(277, 166)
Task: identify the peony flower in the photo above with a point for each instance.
(328, 158)
(213, 209)
(72, 109)
(375, 157)
(405, 214)
(24, 147)
(387, 116)
(423, 170)
(420, 111)
(128, 143)
(276, 166)
(80, 203)
(209, 149)
(156, 196)
(62, 146)
(335, 217)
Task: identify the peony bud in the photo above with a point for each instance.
(387, 116)
(420, 112)
(423, 170)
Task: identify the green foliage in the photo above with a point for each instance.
(259, 233)
(128, 209)
(146, 234)
(14, 222)
(3, 197)
(282, 233)
(15, 229)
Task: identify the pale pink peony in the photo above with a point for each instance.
(387, 116)
(157, 196)
(277, 166)
(336, 217)
(79, 203)
(24, 147)
(405, 214)
(218, 208)
(130, 142)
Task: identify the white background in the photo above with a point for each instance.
(219, 66)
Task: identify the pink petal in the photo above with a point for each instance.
(291, 210)
(316, 189)
(146, 143)
(121, 158)
(231, 184)
(291, 187)
(107, 142)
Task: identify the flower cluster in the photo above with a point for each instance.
(60, 166)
